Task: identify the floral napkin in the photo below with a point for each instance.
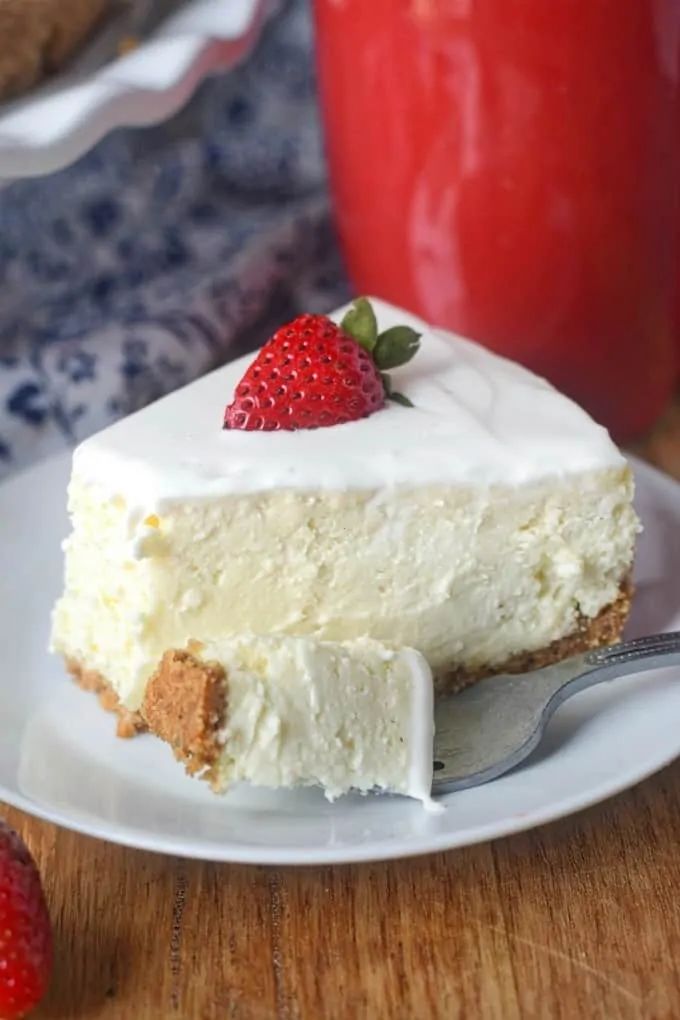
(165, 251)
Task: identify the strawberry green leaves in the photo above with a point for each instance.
(397, 398)
(361, 324)
(395, 347)
(390, 349)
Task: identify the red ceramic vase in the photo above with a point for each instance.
(510, 169)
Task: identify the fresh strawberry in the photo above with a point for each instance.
(25, 932)
(313, 373)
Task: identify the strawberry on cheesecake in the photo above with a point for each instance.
(462, 507)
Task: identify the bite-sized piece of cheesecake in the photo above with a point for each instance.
(489, 525)
(287, 712)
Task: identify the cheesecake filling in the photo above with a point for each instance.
(471, 577)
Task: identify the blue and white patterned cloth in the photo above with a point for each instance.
(164, 251)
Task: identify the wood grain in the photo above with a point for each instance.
(579, 919)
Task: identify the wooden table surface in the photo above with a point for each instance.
(579, 919)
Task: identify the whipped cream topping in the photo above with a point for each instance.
(477, 419)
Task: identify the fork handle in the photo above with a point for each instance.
(643, 653)
(656, 651)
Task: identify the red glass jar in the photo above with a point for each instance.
(509, 169)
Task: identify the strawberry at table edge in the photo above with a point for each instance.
(26, 948)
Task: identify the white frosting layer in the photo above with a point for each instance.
(421, 731)
(478, 419)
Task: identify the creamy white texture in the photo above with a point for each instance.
(469, 577)
(353, 715)
(478, 420)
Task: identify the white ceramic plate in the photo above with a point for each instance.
(60, 760)
(180, 42)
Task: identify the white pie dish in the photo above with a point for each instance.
(58, 121)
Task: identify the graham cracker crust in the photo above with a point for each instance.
(39, 38)
(591, 632)
(129, 723)
(185, 703)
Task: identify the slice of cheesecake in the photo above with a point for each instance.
(490, 526)
(287, 712)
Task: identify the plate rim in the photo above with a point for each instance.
(257, 855)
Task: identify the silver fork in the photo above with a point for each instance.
(491, 727)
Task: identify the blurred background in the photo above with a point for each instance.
(165, 250)
(509, 170)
